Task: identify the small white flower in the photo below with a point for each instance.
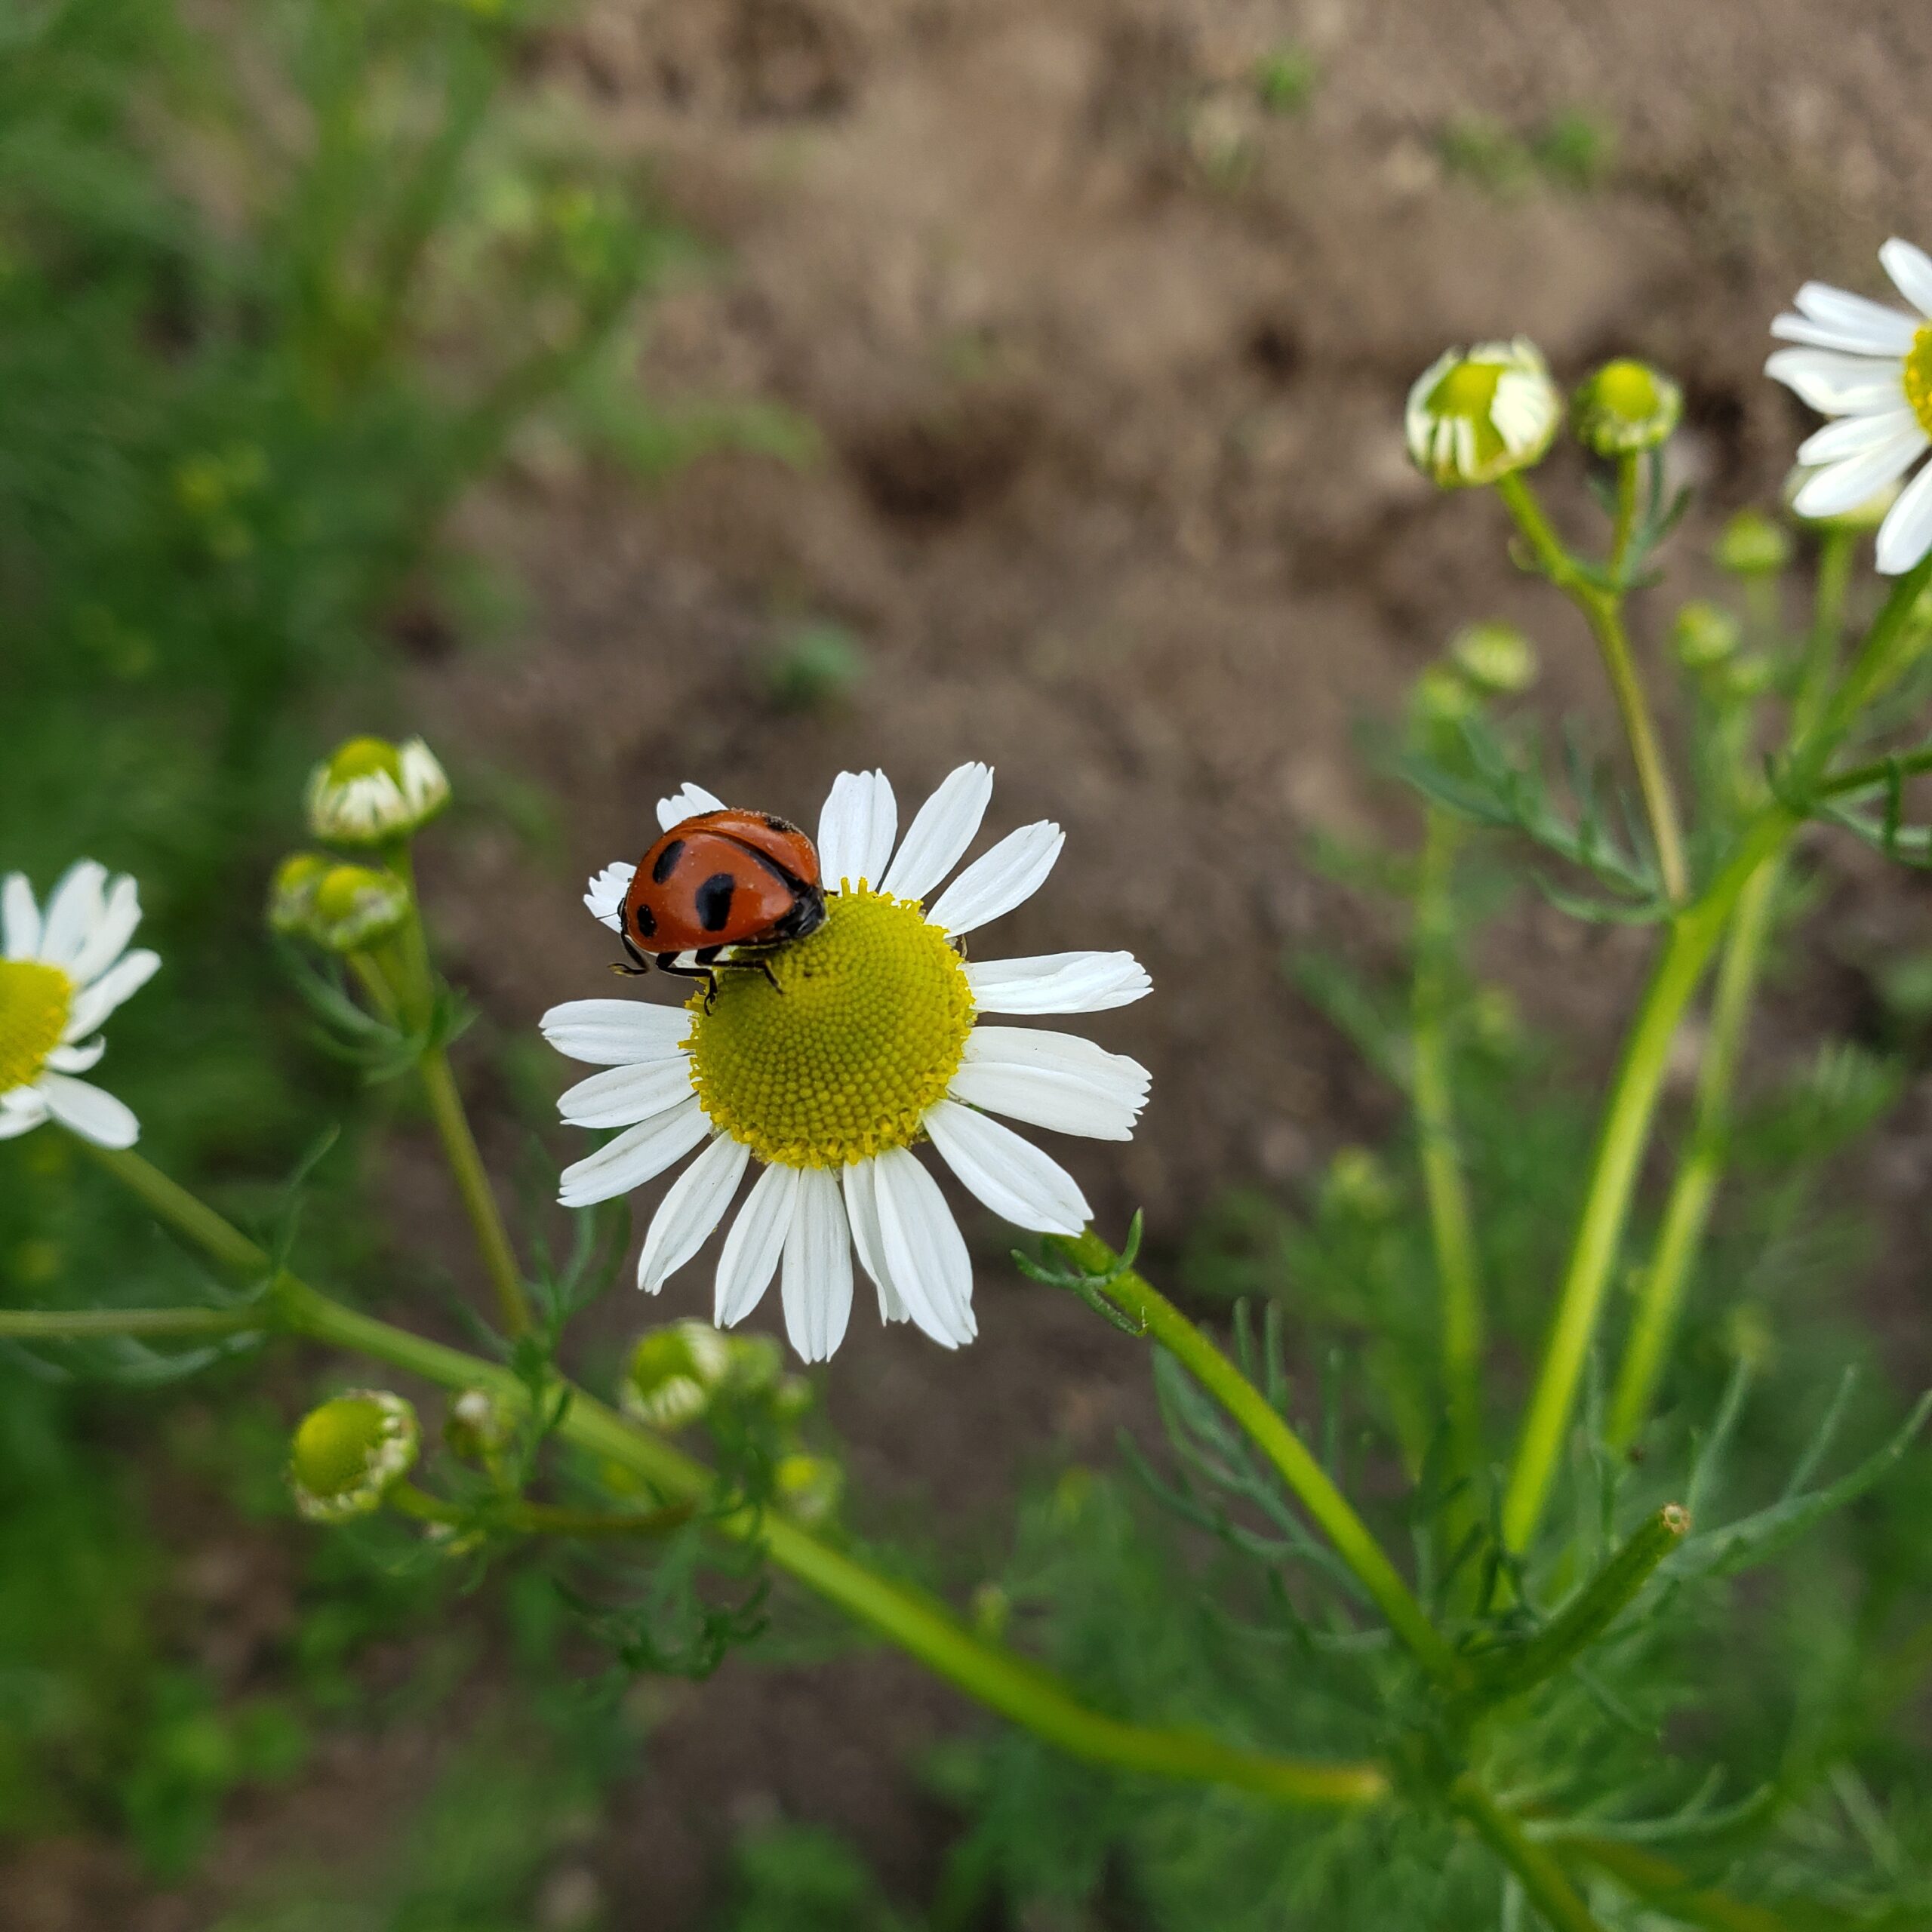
(1476, 415)
(64, 972)
(369, 791)
(1869, 366)
(872, 1043)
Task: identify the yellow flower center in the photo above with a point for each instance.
(34, 1003)
(1918, 377)
(1626, 389)
(842, 1058)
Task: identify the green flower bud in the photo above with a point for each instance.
(292, 893)
(1358, 1184)
(1442, 696)
(673, 1372)
(353, 906)
(1749, 674)
(1705, 635)
(792, 1398)
(371, 793)
(808, 1487)
(1855, 521)
(1625, 406)
(1496, 658)
(479, 1427)
(348, 1455)
(1752, 545)
(1476, 417)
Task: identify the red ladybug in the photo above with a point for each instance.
(745, 880)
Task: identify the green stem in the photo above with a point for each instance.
(69, 1324)
(1263, 1425)
(1451, 1222)
(1659, 1883)
(1878, 771)
(1006, 1683)
(172, 1204)
(540, 1519)
(1603, 611)
(473, 1184)
(1626, 514)
(1536, 1868)
(1594, 1608)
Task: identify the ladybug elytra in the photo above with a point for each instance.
(744, 880)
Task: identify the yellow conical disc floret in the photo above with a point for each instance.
(846, 1055)
(1918, 377)
(34, 1002)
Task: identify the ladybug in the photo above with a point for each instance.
(745, 880)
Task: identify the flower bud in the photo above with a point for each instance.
(1475, 417)
(1358, 1184)
(1625, 406)
(808, 1487)
(479, 1427)
(292, 893)
(353, 906)
(1752, 545)
(1705, 635)
(1855, 521)
(369, 792)
(1442, 696)
(673, 1373)
(348, 1455)
(1496, 658)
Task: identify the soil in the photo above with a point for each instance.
(1107, 361)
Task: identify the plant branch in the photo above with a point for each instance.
(1264, 1426)
(1659, 1883)
(472, 1184)
(1012, 1685)
(539, 1518)
(74, 1324)
(1537, 1867)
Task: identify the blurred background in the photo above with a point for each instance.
(641, 391)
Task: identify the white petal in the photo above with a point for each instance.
(604, 893)
(1853, 435)
(638, 1154)
(946, 824)
(21, 1111)
(818, 1268)
(21, 917)
(923, 1250)
(1867, 324)
(1911, 271)
(1006, 1173)
(119, 915)
(1053, 1080)
(857, 828)
(1058, 982)
(1843, 486)
(862, 1210)
(92, 1004)
(616, 1032)
(72, 910)
(77, 1060)
(1854, 340)
(1837, 385)
(693, 1207)
(627, 1094)
(999, 880)
(1905, 535)
(93, 1114)
(686, 802)
(752, 1248)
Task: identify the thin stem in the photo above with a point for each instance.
(68, 1325)
(1603, 611)
(1264, 1426)
(1626, 524)
(1451, 1222)
(1594, 1608)
(170, 1203)
(473, 1184)
(1878, 771)
(540, 1519)
(1536, 1868)
(1660, 1883)
(1012, 1685)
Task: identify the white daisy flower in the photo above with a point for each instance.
(1475, 415)
(65, 970)
(1869, 366)
(872, 1041)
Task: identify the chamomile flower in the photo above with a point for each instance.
(66, 969)
(872, 1041)
(1870, 366)
(1474, 416)
(369, 791)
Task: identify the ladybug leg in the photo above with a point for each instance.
(704, 967)
(639, 963)
(758, 962)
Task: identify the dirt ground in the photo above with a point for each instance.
(1108, 361)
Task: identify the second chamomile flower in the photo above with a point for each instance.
(871, 1041)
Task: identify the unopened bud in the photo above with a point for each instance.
(1475, 416)
(292, 892)
(1752, 545)
(479, 1427)
(348, 1454)
(354, 907)
(1705, 635)
(1625, 406)
(1495, 658)
(369, 791)
(673, 1373)
(808, 1487)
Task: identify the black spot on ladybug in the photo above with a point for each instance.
(645, 920)
(714, 902)
(667, 861)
